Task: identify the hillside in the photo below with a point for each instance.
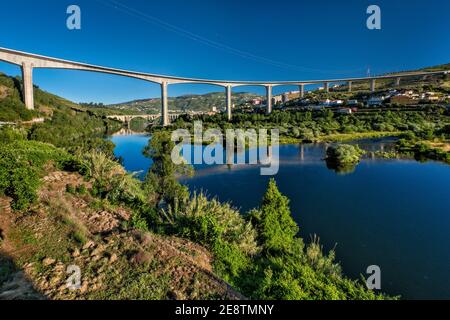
(13, 109)
(203, 102)
(63, 209)
(116, 262)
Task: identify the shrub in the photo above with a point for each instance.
(344, 154)
(221, 229)
(81, 189)
(21, 165)
(70, 188)
(274, 223)
(111, 181)
(24, 182)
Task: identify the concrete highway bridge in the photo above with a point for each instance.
(29, 61)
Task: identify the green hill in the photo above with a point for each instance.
(204, 102)
(13, 109)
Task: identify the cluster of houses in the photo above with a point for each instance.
(407, 97)
(392, 97)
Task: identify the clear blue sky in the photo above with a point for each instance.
(248, 40)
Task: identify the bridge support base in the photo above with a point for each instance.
(350, 86)
(269, 99)
(27, 77)
(228, 102)
(301, 89)
(164, 105)
(372, 85)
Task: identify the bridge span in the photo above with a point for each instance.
(29, 61)
(149, 117)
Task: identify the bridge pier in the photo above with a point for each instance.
(326, 87)
(27, 78)
(164, 105)
(228, 101)
(269, 99)
(350, 86)
(397, 81)
(372, 85)
(301, 89)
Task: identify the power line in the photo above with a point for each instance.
(217, 45)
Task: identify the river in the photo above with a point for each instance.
(390, 213)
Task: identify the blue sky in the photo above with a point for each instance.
(242, 40)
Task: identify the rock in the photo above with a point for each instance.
(97, 251)
(76, 253)
(88, 245)
(48, 262)
(113, 258)
(96, 258)
(54, 281)
(62, 288)
(141, 257)
(84, 287)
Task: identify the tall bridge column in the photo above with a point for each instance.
(350, 86)
(372, 85)
(269, 99)
(164, 105)
(301, 89)
(27, 77)
(228, 101)
(397, 81)
(326, 87)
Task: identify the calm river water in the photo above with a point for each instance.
(390, 213)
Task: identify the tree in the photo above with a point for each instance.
(162, 175)
(273, 221)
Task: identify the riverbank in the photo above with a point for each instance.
(343, 137)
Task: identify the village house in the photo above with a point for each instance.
(375, 101)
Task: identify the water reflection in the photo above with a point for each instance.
(127, 132)
(392, 213)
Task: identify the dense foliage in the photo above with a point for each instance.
(22, 164)
(75, 131)
(317, 125)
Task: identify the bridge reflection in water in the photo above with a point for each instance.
(127, 132)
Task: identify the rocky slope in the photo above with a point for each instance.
(64, 230)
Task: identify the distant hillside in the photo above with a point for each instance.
(203, 102)
(13, 109)
(441, 67)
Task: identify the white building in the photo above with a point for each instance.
(345, 111)
(375, 101)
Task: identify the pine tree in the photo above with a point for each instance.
(276, 227)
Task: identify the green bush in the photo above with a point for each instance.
(220, 228)
(21, 166)
(286, 269)
(344, 154)
(23, 187)
(81, 189)
(70, 188)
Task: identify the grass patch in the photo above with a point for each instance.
(340, 137)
